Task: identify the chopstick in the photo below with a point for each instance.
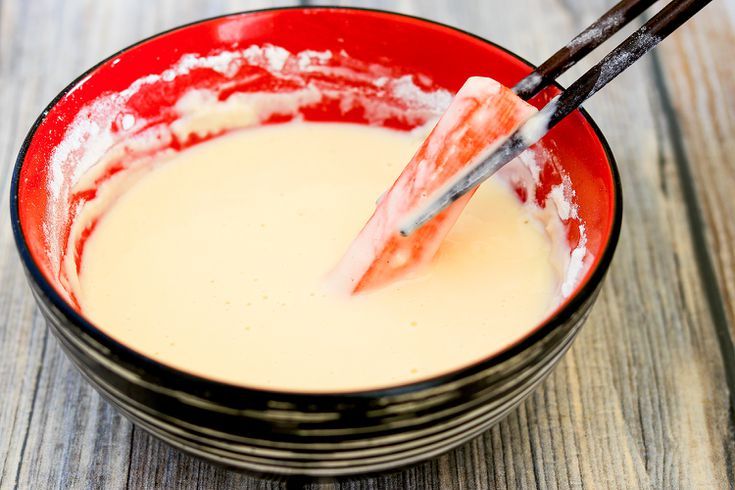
(583, 44)
(671, 17)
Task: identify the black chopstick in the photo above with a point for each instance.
(585, 42)
(629, 51)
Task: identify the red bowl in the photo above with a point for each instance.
(301, 433)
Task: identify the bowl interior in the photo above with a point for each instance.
(434, 56)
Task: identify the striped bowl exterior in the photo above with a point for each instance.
(315, 435)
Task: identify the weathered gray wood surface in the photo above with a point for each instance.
(640, 401)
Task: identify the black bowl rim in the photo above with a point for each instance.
(154, 367)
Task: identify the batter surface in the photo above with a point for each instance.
(214, 263)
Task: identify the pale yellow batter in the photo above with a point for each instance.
(214, 263)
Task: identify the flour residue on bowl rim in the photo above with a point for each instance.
(108, 133)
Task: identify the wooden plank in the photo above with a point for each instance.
(640, 401)
(700, 82)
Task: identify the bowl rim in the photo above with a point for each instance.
(582, 293)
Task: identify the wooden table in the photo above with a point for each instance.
(640, 401)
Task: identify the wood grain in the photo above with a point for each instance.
(700, 83)
(640, 401)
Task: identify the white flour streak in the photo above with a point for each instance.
(594, 32)
(618, 62)
(538, 125)
(576, 266)
(528, 82)
(404, 88)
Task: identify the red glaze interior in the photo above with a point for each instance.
(415, 46)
